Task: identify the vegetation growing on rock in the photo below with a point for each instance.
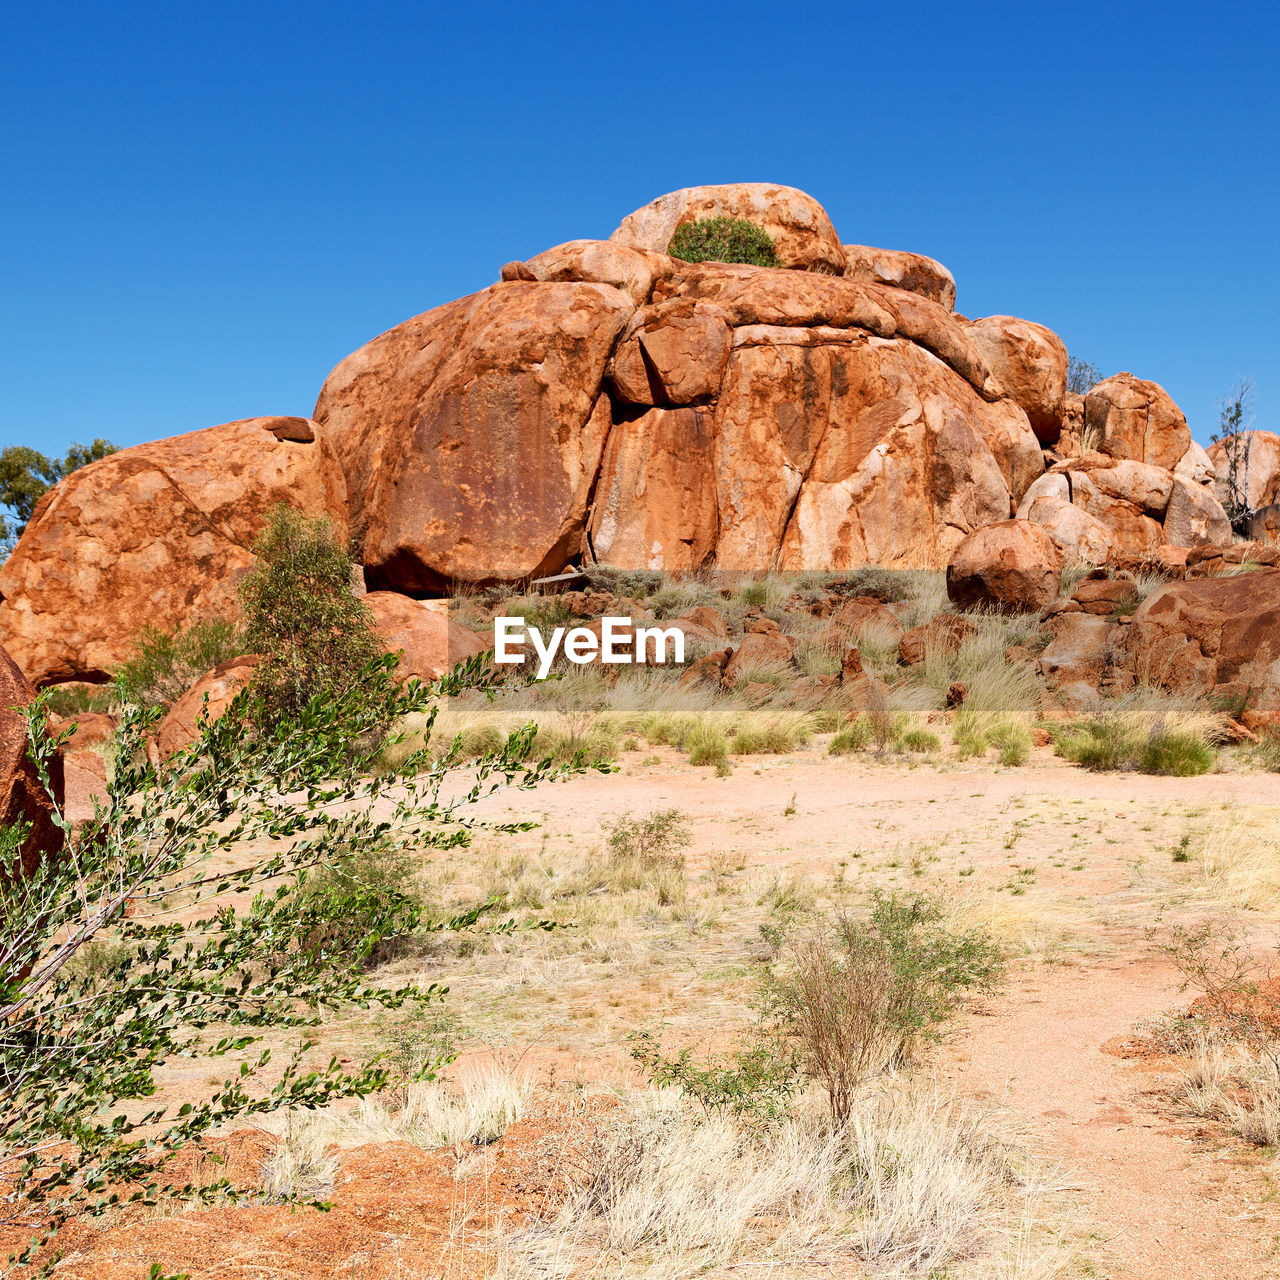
(723, 240)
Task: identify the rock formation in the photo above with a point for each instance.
(606, 402)
(1011, 565)
(158, 534)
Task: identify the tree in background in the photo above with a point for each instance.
(1082, 376)
(1234, 422)
(301, 616)
(26, 475)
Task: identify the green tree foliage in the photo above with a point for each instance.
(181, 921)
(313, 634)
(26, 475)
(723, 240)
(1082, 375)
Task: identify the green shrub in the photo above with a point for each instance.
(307, 816)
(857, 993)
(1109, 742)
(918, 740)
(857, 736)
(755, 1081)
(773, 738)
(723, 240)
(315, 636)
(164, 664)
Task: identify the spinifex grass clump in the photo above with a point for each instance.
(723, 240)
(240, 887)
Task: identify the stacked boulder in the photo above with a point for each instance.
(605, 402)
(1146, 485)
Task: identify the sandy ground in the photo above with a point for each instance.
(1078, 869)
(1156, 1200)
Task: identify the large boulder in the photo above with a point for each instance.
(1137, 419)
(802, 233)
(23, 797)
(157, 534)
(1219, 635)
(428, 641)
(633, 271)
(911, 271)
(1012, 565)
(859, 451)
(475, 433)
(1031, 362)
(1257, 467)
(1079, 535)
(671, 355)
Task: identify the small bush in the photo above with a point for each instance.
(1176, 755)
(723, 240)
(165, 664)
(755, 1081)
(918, 740)
(316, 637)
(856, 737)
(1267, 753)
(776, 737)
(857, 993)
(1114, 742)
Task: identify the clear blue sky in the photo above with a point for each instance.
(206, 206)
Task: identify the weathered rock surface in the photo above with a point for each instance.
(1133, 509)
(1075, 658)
(911, 271)
(802, 233)
(478, 433)
(758, 649)
(1031, 363)
(181, 724)
(428, 641)
(1011, 565)
(157, 534)
(23, 797)
(943, 634)
(1137, 419)
(1212, 634)
(655, 502)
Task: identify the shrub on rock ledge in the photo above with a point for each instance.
(723, 240)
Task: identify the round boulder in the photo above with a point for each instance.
(1031, 362)
(1137, 419)
(1012, 565)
